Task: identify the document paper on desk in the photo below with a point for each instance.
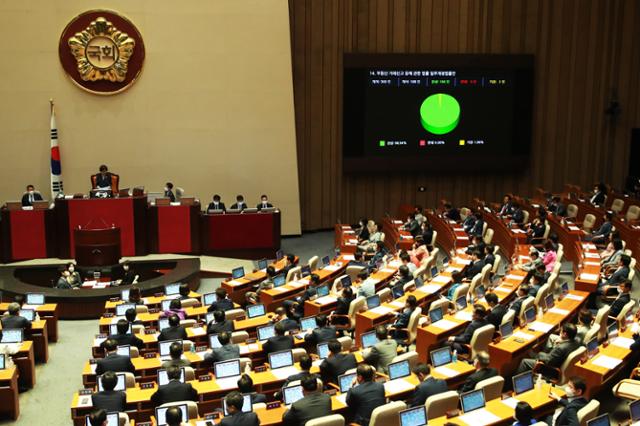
(464, 315)
(574, 297)
(590, 277)
(228, 382)
(325, 300)
(397, 386)
(607, 362)
(446, 371)
(479, 417)
(559, 311)
(442, 279)
(397, 304)
(540, 326)
(331, 268)
(622, 342)
(444, 324)
(381, 310)
(342, 398)
(284, 372)
(513, 277)
(524, 336)
(510, 402)
(85, 401)
(592, 255)
(429, 288)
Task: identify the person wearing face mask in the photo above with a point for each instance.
(264, 203)
(624, 296)
(239, 204)
(168, 192)
(402, 321)
(74, 276)
(483, 371)
(599, 196)
(103, 179)
(216, 204)
(30, 196)
(128, 275)
(567, 413)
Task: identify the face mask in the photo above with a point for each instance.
(166, 189)
(569, 391)
(71, 268)
(264, 201)
(31, 192)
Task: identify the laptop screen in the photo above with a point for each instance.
(435, 314)
(170, 289)
(279, 280)
(506, 330)
(592, 346)
(634, 408)
(29, 314)
(35, 299)
(161, 414)
(209, 317)
(565, 288)
(414, 416)
(523, 382)
(326, 261)
(166, 305)
(418, 281)
(263, 263)
(440, 357)
(369, 339)
(163, 377)
(398, 291)
(165, 347)
(2, 362)
(124, 350)
(237, 272)
(214, 342)
(323, 350)
(373, 301)
(480, 291)
(209, 298)
(12, 335)
(549, 301)
(280, 359)
(112, 420)
(308, 323)
(113, 329)
(472, 400)
(530, 314)
(322, 290)
(399, 369)
(461, 302)
(613, 329)
(163, 323)
(345, 381)
(124, 294)
(247, 406)
(306, 270)
(292, 394)
(122, 308)
(265, 332)
(227, 368)
(345, 281)
(279, 254)
(601, 420)
(121, 384)
(434, 271)
(255, 310)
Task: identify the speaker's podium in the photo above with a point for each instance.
(97, 246)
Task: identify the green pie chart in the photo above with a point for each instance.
(440, 113)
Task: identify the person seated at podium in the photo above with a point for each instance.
(14, 320)
(132, 317)
(168, 192)
(184, 291)
(216, 204)
(128, 276)
(236, 416)
(176, 350)
(74, 276)
(64, 282)
(264, 203)
(239, 204)
(135, 296)
(174, 390)
(30, 196)
(174, 332)
(225, 352)
(103, 179)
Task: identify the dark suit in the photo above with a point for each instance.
(26, 201)
(413, 227)
(308, 408)
(429, 387)
(516, 306)
(320, 335)
(618, 304)
(290, 324)
(221, 305)
(569, 415)
(342, 306)
(126, 339)
(489, 259)
(128, 277)
(110, 401)
(15, 321)
(116, 363)
(620, 275)
(278, 343)
(477, 228)
(239, 206)
(224, 353)
(220, 206)
(465, 337)
(219, 327)
(598, 198)
(473, 269)
(173, 333)
(103, 181)
(478, 376)
(518, 216)
(174, 391)
(335, 365)
(363, 399)
(453, 214)
(261, 206)
(554, 358)
(495, 316)
(241, 419)
(170, 196)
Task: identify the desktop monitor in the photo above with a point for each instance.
(124, 350)
(279, 280)
(308, 323)
(121, 384)
(122, 308)
(435, 314)
(280, 359)
(506, 330)
(227, 368)
(265, 332)
(461, 303)
(369, 339)
(112, 420)
(163, 378)
(523, 382)
(326, 261)
(165, 347)
(440, 357)
(416, 416)
(601, 420)
(373, 301)
(247, 406)
(262, 264)
(530, 315)
(161, 414)
(209, 317)
(214, 342)
(399, 369)
(473, 400)
(398, 291)
(171, 289)
(279, 254)
(237, 273)
(634, 409)
(322, 290)
(34, 299)
(345, 381)
(29, 314)
(12, 335)
(209, 298)
(292, 394)
(256, 310)
(549, 301)
(163, 323)
(113, 329)
(124, 294)
(323, 350)
(166, 305)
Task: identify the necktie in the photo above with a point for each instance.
(31, 198)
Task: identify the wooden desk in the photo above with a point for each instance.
(9, 403)
(38, 335)
(24, 360)
(345, 239)
(150, 301)
(236, 289)
(48, 312)
(395, 237)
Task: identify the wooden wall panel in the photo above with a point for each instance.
(584, 49)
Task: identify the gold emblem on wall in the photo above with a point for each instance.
(102, 51)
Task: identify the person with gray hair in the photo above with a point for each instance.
(483, 371)
(14, 320)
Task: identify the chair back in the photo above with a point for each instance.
(591, 333)
(331, 420)
(244, 362)
(123, 419)
(293, 272)
(547, 230)
(525, 216)
(413, 324)
(298, 353)
(129, 380)
(186, 323)
(336, 287)
(431, 262)
(589, 221)
(190, 302)
(572, 211)
(346, 342)
(438, 405)
(488, 235)
(492, 387)
(137, 329)
(552, 282)
(528, 302)
(461, 290)
(540, 295)
(434, 238)
(601, 321)
(411, 356)
(588, 412)
(420, 270)
(232, 314)
(485, 276)
(567, 369)
(475, 281)
(358, 304)
(481, 339)
(134, 352)
(440, 303)
(189, 374)
(617, 205)
(142, 309)
(313, 263)
(387, 414)
(625, 311)
(353, 271)
(385, 295)
(508, 317)
(238, 337)
(633, 213)
(192, 407)
(496, 265)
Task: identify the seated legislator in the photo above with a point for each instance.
(567, 413)
(507, 206)
(402, 320)
(290, 320)
(322, 333)
(599, 196)
(556, 207)
(522, 294)
(175, 308)
(365, 396)
(222, 303)
(483, 371)
(245, 386)
(110, 399)
(175, 350)
(225, 352)
(367, 286)
(523, 414)
(344, 301)
(451, 213)
(216, 204)
(336, 363)
(279, 342)
(314, 404)
(126, 275)
(98, 418)
(558, 353)
(113, 361)
(168, 192)
(105, 180)
(239, 204)
(601, 235)
(476, 265)
(174, 390)
(236, 416)
(123, 337)
(174, 332)
(383, 352)
(428, 386)
(496, 310)
(64, 282)
(264, 203)
(74, 276)
(624, 296)
(13, 319)
(30, 196)
(412, 225)
(173, 417)
(184, 291)
(478, 319)
(219, 324)
(620, 275)
(135, 296)
(305, 366)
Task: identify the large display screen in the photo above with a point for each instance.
(436, 112)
